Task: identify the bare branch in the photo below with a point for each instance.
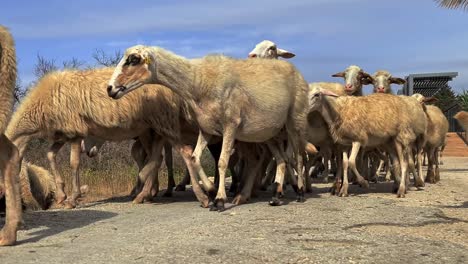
(105, 59)
(44, 66)
(73, 63)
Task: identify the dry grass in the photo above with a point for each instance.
(112, 173)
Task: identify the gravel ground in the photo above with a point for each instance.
(370, 226)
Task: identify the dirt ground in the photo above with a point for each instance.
(370, 226)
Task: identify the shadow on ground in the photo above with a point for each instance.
(54, 222)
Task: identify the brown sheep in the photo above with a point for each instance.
(71, 105)
(462, 118)
(9, 159)
(357, 122)
(37, 187)
(437, 129)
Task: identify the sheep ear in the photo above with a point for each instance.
(368, 80)
(328, 92)
(430, 100)
(339, 74)
(397, 80)
(285, 54)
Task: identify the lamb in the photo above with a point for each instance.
(357, 122)
(462, 118)
(382, 81)
(229, 98)
(437, 129)
(88, 112)
(9, 159)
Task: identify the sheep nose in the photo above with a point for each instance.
(109, 88)
(349, 86)
(252, 55)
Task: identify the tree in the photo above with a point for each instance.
(463, 100)
(446, 98)
(104, 59)
(453, 4)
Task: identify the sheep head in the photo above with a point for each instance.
(268, 50)
(382, 81)
(354, 78)
(316, 96)
(133, 71)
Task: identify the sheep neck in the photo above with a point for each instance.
(176, 73)
(331, 115)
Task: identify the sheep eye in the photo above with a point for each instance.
(133, 60)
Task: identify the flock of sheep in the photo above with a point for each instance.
(258, 117)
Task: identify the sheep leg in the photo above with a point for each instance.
(279, 177)
(202, 142)
(170, 170)
(300, 176)
(326, 160)
(345, 183)
(430, 166)
(185, 181)
(250, 178)
(269, 175)
(9, 180)
(228, 142)
(411, 166)
(149, 173)
(75, 153)
(419, 179)
(404, 165)
(352, 164)
(139, 156)
(60, 195)
(186, 151)
(436, 163)
(307, 177)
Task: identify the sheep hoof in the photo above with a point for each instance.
(180, 188)
(7, 239)
(70, 205)
(364, 184)
(239, 199)
(218, 206)
(401, 192)
(300, 198)
(275, 201)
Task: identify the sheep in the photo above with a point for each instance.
(229, 98)
(382, 81)
(354, 78)
(9, 158)
(267, 49)
(37, 187)
(316, 130)
(462, 118)
(88, 112)
(437, 129)
(357, 122)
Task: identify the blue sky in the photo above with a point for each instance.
(402, 36)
